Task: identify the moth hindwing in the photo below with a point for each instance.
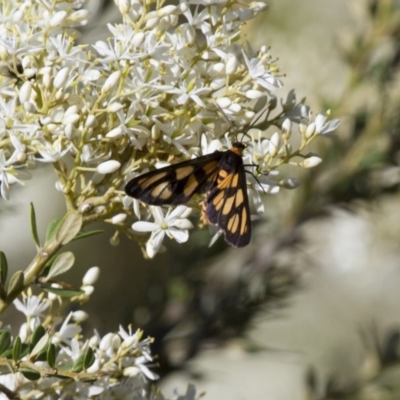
(221, 175)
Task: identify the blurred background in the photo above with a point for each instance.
(311, 308)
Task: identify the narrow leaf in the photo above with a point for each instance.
(30, 374)
(42, 356)
(63, 292)
(53, 228)
(83, 234)
(9, 367)
(16, 283)
(78, 365)
(16, 350)
(3, 267)
(88, 358)
(38, 333)
(34, 226)
(40, 345)
(51, 355)
(5, 341)
(70, 226)
(61, 264)
(58, 376)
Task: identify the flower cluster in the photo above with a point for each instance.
(115, 365)
(169, 77)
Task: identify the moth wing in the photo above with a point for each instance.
(177, 183)
(227, 205)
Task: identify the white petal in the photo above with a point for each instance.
(154, 243)
(182, 223)
(144, 226)
(179, 235)
(175, 213)
(158, 215)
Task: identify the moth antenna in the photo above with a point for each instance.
(227, 120)
(257, 118)
(258, 181)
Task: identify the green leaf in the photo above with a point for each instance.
(9, 367)
(34, 226)
(16, 283)
(63, 292)
(53, 228)
(40, 345)
(24, 350)
(7, 354)
(70, 226)
(78, 365)
(83, 234)
(5, 341)
(38, 333)
(62, 263)
(30, 374)
(51, 355)
(16, 350)
(88, 358)
(3, 267)
(58, 376)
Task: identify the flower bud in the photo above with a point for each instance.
(25, 92)
(111, 82)
(57, 19)
(114, 133)
(108, 167)
(311, 162)
(90, 121)
(253, 94)
(61, 78)
(231, 65)
(287, 127)
(117, 219)
(79, 316)
(310, 130)
(91, 276)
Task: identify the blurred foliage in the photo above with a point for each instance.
(361, 163)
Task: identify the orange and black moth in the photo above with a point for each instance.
(221, 175)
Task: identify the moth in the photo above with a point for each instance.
(221, 175)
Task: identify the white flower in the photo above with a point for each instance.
(67, 332)
(32, 306)
(321, 127)
(140, 367)
(130, 340)
(263, 77)
(51, 152)
(174, 224)
(213, 145)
